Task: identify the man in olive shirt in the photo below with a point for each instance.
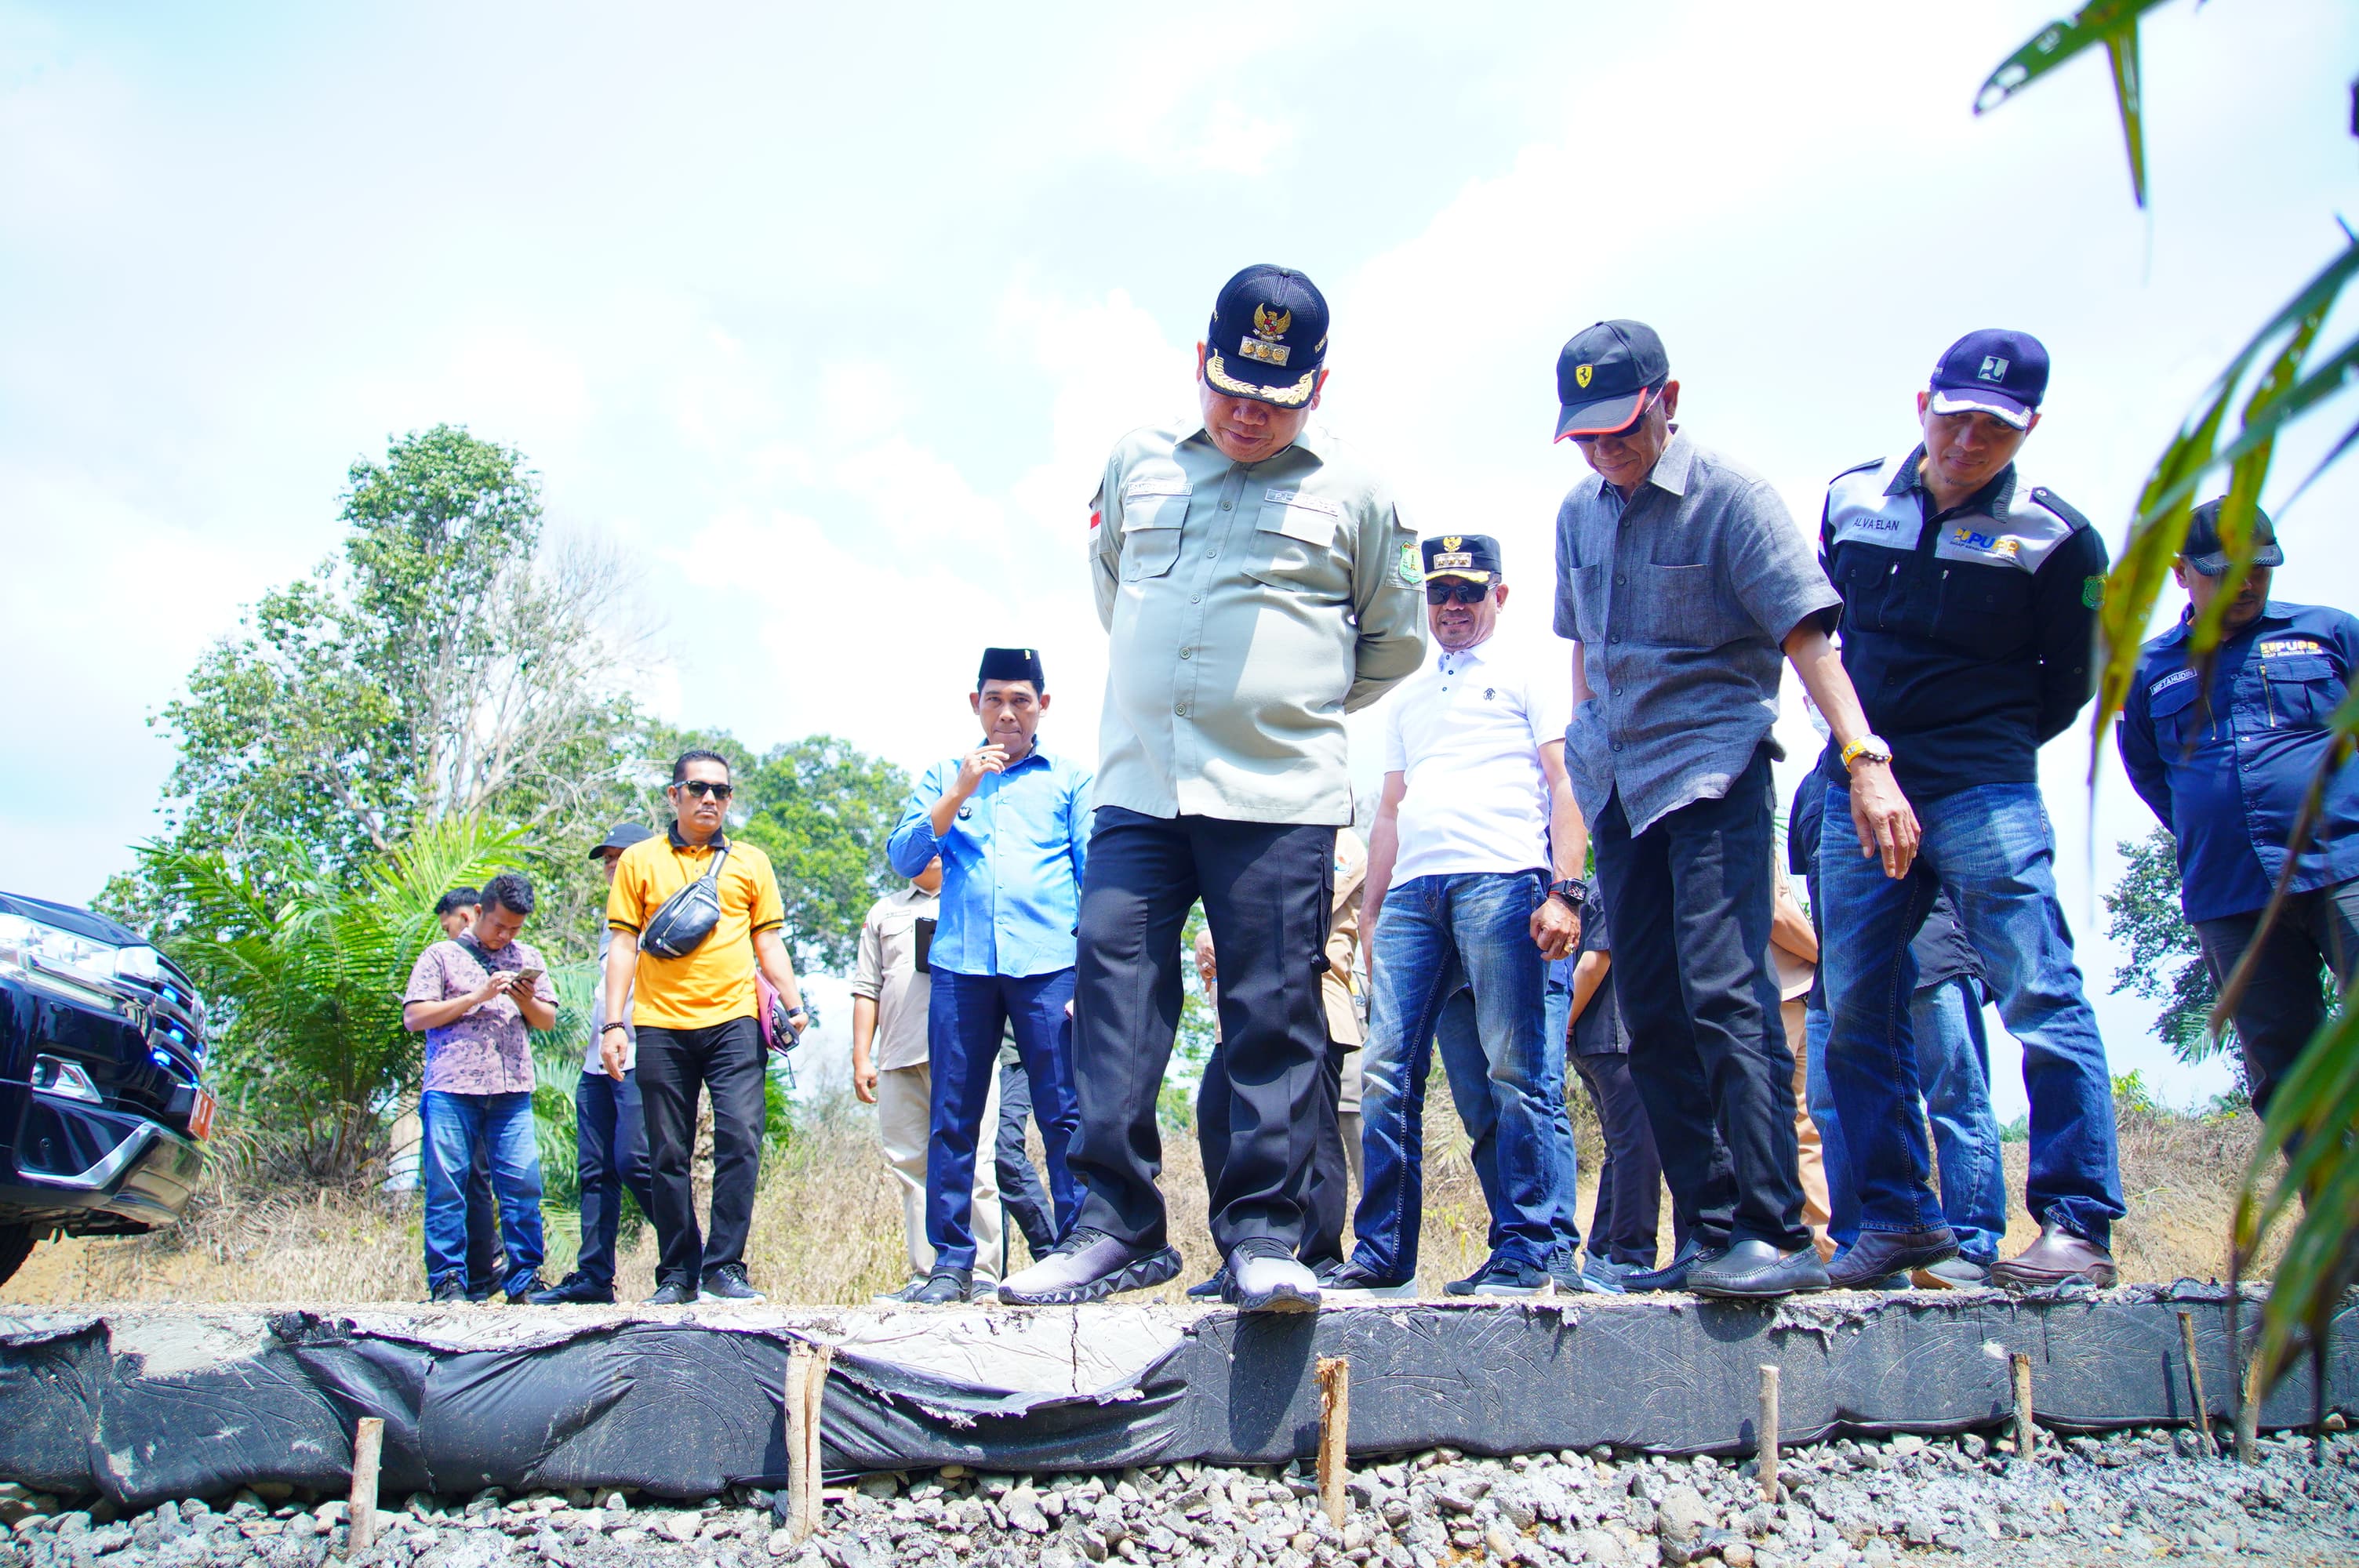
(1257, 584)
(697, 1026)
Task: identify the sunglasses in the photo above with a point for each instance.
(1591, 437)
(702, 787)
(1457, 590)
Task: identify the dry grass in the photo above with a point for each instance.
(827, 1227)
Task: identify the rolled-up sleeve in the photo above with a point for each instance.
(913, 842)
(868, 968)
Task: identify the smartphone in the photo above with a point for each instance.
(528, 977)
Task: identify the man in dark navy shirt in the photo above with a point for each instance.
(1970, 598)
(2227, 768)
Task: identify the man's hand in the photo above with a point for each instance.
(496, 984)
(984, 760)
(1556, 926)
(610, 1053)
(1881, 813)
(864, 1076)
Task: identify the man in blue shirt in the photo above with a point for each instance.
(1009, 822)
(2227, 768)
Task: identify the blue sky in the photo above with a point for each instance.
(828, 317)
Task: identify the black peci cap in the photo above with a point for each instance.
(1603, 377)
(2202, 549)
(1268, 337)
(1011, 663)
(1474, 557)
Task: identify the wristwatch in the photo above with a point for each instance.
(1572, 889)
(1872, 747)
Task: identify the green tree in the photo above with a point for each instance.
(446, 662)
(822, 809)
(2166, 962)
(305, 973)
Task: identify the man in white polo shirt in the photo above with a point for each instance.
(1461, 895)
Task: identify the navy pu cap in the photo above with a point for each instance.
(1992, 372)
(1603, 377)
(1268, 337)
(1474, 557)
(2202, 547)
(624, 835)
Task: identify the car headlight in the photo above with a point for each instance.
(141, 963)
(33, 950)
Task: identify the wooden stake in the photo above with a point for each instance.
(2026, 1434)
(797, 1400)
(368, 1453)
(814, 1408)
(2248, 1414)
(1334, 1430)
(1766, 1435)
(2195, 1381)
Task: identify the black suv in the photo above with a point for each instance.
(103, 1108)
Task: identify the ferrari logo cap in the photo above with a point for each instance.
(1605, 376)
(1268, 337)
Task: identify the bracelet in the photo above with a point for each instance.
(615, 1026)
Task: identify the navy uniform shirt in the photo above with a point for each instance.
(1598, 1031)
(1967, 633)
(2228, 777)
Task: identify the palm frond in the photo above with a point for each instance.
(2115, 25)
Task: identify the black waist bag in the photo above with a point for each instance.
(685, 919)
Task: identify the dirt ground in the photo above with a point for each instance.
(827, 1227)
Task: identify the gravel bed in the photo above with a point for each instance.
(2123, 1497)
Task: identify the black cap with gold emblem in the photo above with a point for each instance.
(1011, 663)
(1606, 376)
(1268, 337)
(1473, 557)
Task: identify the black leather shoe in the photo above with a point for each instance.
(672, 1293)
(526, 1290)
(575, 1290)
(1671, 1276)
(1753, 1270)
(450, 1290)
(945, 1287)
(1879, 1253)
(1210, 1290)
(727, 1284)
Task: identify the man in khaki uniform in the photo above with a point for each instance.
(1256, 584)
(891, 989)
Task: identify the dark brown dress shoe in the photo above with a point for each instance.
(2057, 1258)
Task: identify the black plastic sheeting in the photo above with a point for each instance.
(683, 1408)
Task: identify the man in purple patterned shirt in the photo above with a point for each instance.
(476, 998)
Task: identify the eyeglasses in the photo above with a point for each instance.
(702, 787)
(1457, 590)
(1591, 437)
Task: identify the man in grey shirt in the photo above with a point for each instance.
(1256, 584)
(1682, 580)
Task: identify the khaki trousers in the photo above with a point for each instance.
(905, 1121)
(1810, 1157)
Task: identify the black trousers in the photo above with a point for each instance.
(1022, 1194)
(2316, 933)
(1690, 901)
(1630, 1182)
(726, 1060)
(1265, 888)
(484, 1258)
(1331, 1171)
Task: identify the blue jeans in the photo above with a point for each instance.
(1953, 1066)
(1991, 848)
(1436, 935)
(964, 1021)
(610, 1141)
(454, 1125)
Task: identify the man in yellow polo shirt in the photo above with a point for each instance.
(697, 1028)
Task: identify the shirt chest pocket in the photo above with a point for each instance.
(1150, 532)
(1983, 610)
(1671, 605)
(2179, 719)
(2297, 693)
(1294, 544)
(1869, 582)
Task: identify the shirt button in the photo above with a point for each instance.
(1618, 745)
(1180, 712)
(1615, 638)
(1225, 505)
(1195, 599)
(1619, 579)
(1186, 653)
(1210, 553)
